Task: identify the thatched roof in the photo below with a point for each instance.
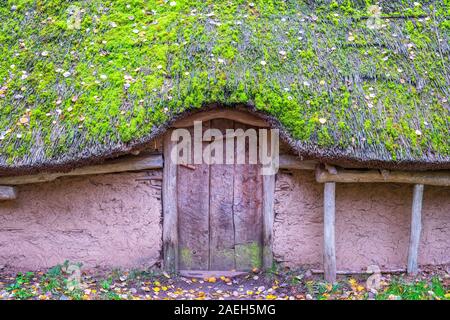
(85, 80)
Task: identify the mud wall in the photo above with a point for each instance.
(114, 220)
(372, 223)
(107, 220)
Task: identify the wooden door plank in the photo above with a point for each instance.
(222, 255)
(247, 209)
(268, 220)
(193, 214)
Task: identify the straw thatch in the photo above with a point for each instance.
(82, 81)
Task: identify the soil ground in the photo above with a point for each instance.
(65, 282)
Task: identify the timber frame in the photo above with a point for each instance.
(329, 175)
(169, 193)
(325, 173)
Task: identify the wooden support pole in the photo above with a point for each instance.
(329, 249)
(7, 193)
(170, 212)
(416, 228)
(268, 219)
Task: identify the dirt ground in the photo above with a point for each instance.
(68, 281)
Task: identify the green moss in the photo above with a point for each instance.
(134, 64)
(248, 256)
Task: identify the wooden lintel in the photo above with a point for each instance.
(7, 193)
(416, 228)
(433, 178)
(329, 247)
(131, 163)
(235, 115)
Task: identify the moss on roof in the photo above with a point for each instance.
(82, 79)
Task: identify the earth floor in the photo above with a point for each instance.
(68, 281)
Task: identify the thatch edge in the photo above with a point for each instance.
(326, 155)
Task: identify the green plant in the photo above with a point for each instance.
(416, 290)
(18, 288)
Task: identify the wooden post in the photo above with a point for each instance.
(170, 214)
(7, 193)
(416, 227)
(268, 218)
(329, 250)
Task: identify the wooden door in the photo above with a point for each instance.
(220, 208)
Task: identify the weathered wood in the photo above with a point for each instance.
(129, 163)
(329, 249)
(247, 208)
(350, 272)
(170, 214)
(193, 214)
(221, 213)
(268, 220)
(435, 178)
(416, 228)
(294, 163)
(7, 193)
(331, 169)
(235, 115)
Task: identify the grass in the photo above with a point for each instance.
(416, 290)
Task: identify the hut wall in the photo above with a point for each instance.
(114, 220)
(372, 223)
(106, 220)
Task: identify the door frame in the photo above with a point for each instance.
(169, 190)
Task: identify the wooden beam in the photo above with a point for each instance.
(350, 272)
(129, 163)
(268, 219)
(7, 193)
(416, 228)
(170, 212)
(294, 163)
(235, 115)
(434, 178)
(329, 249)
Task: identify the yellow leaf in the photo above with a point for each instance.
(164, 288)
(271, 297)
(212, 279)
(156, 289)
